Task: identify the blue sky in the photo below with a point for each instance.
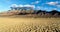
(36, 4)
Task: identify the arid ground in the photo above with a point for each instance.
(8, 24)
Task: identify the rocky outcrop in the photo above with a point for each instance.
(38, 13)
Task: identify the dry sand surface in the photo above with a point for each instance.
(8, 24)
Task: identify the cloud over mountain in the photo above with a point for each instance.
(27, 5)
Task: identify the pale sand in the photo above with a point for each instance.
(7, 22)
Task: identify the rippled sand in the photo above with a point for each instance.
(8, 24)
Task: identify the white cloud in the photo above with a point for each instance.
(38, 7)
(33, 6)
(20, 5)
(36, 2)
(52, 3)
(27, 5)
(14, 5)
(58, 6)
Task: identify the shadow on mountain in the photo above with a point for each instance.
(33, 13)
